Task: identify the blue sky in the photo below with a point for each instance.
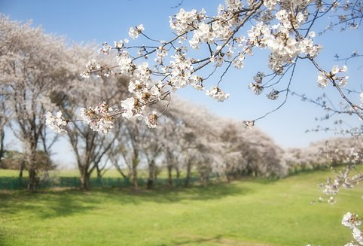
(98, 21)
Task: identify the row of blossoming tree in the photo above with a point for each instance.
(39, 73)
(188, 137)
(286, 29)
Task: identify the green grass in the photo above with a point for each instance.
(60, 173)
(251, 212)
(11, 173)
(111, 173)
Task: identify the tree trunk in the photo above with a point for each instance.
(32, 180)
(135, 162)
(187, 178)
(177, 172)
(32, 185)
(170, 176)
(151, 178)
(99, 171)
(2, 137)
(21, 169)
(85, 180)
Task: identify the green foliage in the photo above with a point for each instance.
(249, 212)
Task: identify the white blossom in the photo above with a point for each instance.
(350, 244)
(197, 82)
(55, 122)
(185, 21)
(331, 200)
(351, 220)
(106, 48)
(99, 118)
(238, 61)
(217, 60)
(358, 235)
(217, 93)
(335, 70)
(273, 95)
(125, 63)
(343, 80)
(233, 5)
(256, 88)
(151, 120)
(248, 124)
(322, 80)
(135, 31)
(128, 106)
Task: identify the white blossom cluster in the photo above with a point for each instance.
(132, 108)
(180, 70)
(106, 48)
(120, 44)
(257, 86)
(93, 67)
(283, 40)
(56, 122)
(135, 31)
(273, 95)
(217, 93)
(352, 221)
(358, 235)
(324, 77)
(151, 120)
(342, 179)
(185, 21)
(100, 118)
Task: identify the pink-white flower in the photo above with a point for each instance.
(351, 220)
(248, 124)
(135, 31)
(217, 93)
(322, 80)
(358, 235)
(56, 122)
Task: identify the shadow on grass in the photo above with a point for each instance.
(179, 194)
(216, 240)
(65, 202)
(46, 204)
(2, 237)
(196, 241)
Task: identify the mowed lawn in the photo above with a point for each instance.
(250, 212)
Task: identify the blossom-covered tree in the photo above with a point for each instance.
(32, 66)
(89, 146)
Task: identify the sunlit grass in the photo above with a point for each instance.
(11, 173)
(249, 212)
(110, 173)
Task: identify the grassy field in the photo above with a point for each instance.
(250, 212)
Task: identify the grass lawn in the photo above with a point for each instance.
(60, 173)
(111, 173)
(250, 212)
